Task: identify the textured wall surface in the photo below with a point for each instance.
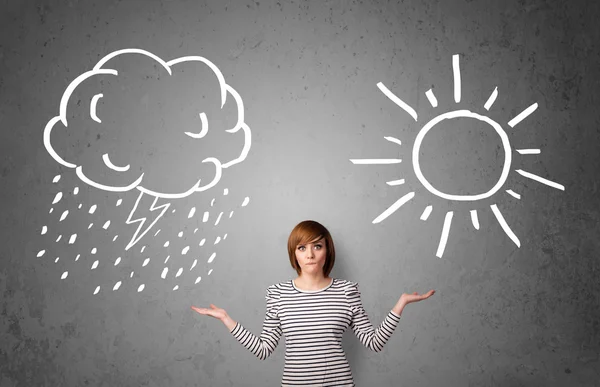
(307, 72)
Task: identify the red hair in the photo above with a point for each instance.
(306, 232)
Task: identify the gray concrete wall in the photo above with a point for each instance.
(307, 72)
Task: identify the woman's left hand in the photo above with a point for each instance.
(406, 298)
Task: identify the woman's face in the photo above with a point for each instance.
(311, 256)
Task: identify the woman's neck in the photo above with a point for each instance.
(308, 282)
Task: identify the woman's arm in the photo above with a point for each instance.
(263, 345)
(375, 339)
(372, 338)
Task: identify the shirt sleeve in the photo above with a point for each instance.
(372, 338)
(266, 343)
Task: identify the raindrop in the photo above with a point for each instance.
(131, 275)
(44, 230)
(226, 191)
(76, 191)
(105, 226)
(117, 261)
(212, 202)
(157, 232)
(246, 200)
(56, 260)
(56, 179)
(72, 239)
(166, 244)
(219, 218)
(185, 250)
(224, 236)
(212, 257)
(167, 259)
(145, 262)
(217, 240)
(117, 286)
(141, 288)
(79, 206)
(179, 272)
(119, 202)
(172, 212)
(97, 290)
(194, 264)
(210, 271)
(94, 265)
(115, 238)
(94, 250)
(64, 215)
(52, 209)
(196, 230)
(163, 275)
(205, 217)
(180, 234)
(230, 214)
(57, 198)
(90, 226)
(143, 248)
(202, 242)
(40, 253)
(77, 257)
(93, 209)
(176, 287)
(197, 280)
(64, 275)
(192, 212)
(57, 239)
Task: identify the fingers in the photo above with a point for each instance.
(199, 310)
(203, 311)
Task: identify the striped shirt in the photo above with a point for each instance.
(313, 323)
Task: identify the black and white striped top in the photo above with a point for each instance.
(313, 323)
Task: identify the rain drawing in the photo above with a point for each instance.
(163, 129)
(506, 168)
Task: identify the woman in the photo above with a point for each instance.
(313, 311)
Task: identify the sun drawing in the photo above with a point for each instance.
(415, 159)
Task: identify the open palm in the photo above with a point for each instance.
(214, 311)
(407, 298)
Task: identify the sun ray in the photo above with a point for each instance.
(504, 226)
(521, 116)
(394, 207)
(492, 99)
(431, 98)
(529, 151)
(395, 182)
(397, 100)
(376, 161)
(426, 212)
(444, 237)
(393, 139)
(540, 179)
(513, 194)
(456, 71)
(474, 219)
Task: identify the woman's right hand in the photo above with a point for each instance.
(214, 311)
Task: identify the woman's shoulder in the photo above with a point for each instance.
(279, 286)
(344, 283)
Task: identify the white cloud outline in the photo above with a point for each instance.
(224, 87)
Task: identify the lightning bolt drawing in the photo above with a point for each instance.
(142, 220)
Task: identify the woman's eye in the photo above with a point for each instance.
(318, 247)
(301, 248)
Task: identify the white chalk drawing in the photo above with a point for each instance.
(145, 219)
(428, 186)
